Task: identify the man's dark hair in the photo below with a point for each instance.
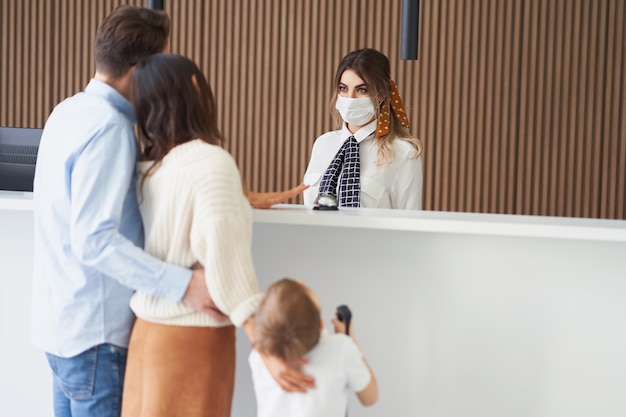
(127, 36)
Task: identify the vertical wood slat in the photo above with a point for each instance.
(617, 179)
(560, 131)
(521, 104)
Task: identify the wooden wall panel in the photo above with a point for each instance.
(520, 103)
(45, 54)
(466, 104)
(572, 109)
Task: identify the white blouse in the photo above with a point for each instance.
(397, 184)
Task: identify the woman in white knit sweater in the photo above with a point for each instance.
(180, 361)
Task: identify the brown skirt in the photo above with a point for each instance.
(179, 371)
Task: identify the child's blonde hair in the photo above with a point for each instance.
(287, 323)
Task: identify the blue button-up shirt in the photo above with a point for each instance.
(88, 231)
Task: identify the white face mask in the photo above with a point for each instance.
(355, 111)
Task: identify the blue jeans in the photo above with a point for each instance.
(90, 383)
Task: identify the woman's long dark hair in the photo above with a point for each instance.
(173, 105)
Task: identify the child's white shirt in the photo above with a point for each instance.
(338, 368)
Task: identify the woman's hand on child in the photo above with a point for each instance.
(288, 377)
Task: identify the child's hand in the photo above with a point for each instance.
(340, 326)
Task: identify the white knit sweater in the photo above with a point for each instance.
(194, 211)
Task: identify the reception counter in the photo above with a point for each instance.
(458, 314)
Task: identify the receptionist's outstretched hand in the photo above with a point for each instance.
(267, 200)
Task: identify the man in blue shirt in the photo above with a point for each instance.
(88, 231)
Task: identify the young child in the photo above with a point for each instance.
(288, 325)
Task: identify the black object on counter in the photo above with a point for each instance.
(344, 315)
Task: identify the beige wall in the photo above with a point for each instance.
(521, 104)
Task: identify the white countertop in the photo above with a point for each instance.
(14, 200)
(449, 222)
(422, 221)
